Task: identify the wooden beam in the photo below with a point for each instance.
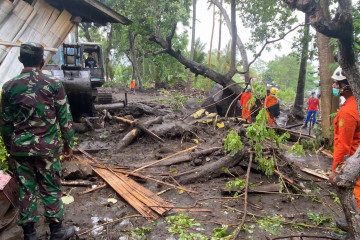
(111, 13)
(12, 44)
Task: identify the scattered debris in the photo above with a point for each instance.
(142, 199)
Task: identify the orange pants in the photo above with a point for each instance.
(357, 192)
(246, 114)
(271, 121)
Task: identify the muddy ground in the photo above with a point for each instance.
(218, 208)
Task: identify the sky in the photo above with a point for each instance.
(204, 27)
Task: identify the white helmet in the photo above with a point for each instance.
(338, 75)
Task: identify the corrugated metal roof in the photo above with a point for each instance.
(90, 11)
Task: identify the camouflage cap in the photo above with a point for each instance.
(31, 48)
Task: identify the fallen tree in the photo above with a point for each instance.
(210, 170)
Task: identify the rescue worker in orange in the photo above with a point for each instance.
(270, 100)
(246, 108)
(346, 131)
(132, 85)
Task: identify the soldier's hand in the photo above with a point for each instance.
(67, 152)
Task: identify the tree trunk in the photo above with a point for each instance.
(220, 26)
(136, 72)
(329, 104)
(188, 85)
(210, 50)
(85, 27)
(298, 109)
(239, 43)
(108, 52)
(210, 170)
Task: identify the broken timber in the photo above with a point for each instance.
(189, 156)
(136, 195)
(163, 159)
(130, 136)
(141, 127)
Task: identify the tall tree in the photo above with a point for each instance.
(188, 85)
(239, 43)
(220, 28)
(84, 26)
(298, 109)
(341, 27)
(210, 49)
(133, 59)
(108, 52)
(329, 103)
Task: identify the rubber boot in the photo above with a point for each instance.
(342, 224)
(57, 233)
(29, 232)
(305, 125)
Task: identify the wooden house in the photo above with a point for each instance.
(47, 22)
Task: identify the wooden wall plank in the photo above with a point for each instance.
(5, 8)
(49, 27)
(13, 24)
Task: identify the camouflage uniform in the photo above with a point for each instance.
(33, 107)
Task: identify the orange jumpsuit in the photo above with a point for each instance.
(269, 101)
(246, 110)
(347, 136)
(132, 85)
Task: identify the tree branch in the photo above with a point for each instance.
(269, 42)
(302, 236)
(246, 198)
(339, 27)
(194, 67)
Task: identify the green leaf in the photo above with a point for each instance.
(233, 143)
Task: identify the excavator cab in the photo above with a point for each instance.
(92, 59)
(82, 72)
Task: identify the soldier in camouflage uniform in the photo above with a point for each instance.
(33, 105)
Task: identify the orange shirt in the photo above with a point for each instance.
(245, 97)
(269, 101)
(132, 84)
(346, 131)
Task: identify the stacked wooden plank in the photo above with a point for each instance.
(147, 203)
(39, 23)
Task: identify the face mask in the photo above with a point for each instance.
(273, 95)
(336, 92)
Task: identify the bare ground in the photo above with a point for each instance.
(92, 209)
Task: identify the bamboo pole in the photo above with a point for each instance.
(93, 189)
(13, 44)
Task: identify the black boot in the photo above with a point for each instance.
(342, 224)
(29, 232)
(57, 233)
(305, 125)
